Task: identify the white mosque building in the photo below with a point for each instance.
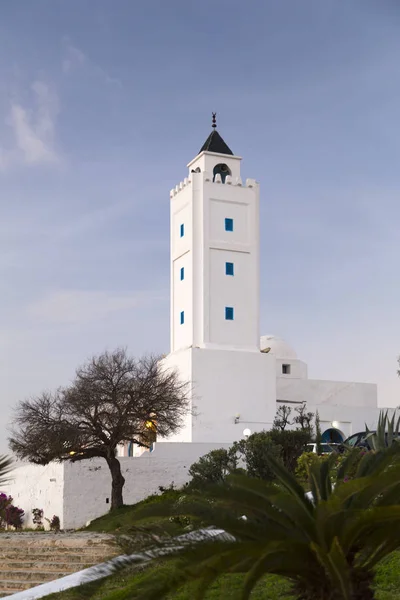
(237, 379)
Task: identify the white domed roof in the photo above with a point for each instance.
(277, 347)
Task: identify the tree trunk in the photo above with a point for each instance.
(362, 588)
(117, 482)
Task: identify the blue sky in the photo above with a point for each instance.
(103, 103)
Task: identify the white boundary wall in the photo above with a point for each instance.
(78, 492)
(33, 486)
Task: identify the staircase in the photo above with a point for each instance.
(30, 559)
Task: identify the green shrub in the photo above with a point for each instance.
(338, 460)
(305, 462)
(285, 446)
(292, 444)
(329, 547)
(254, 450)
(213, 467)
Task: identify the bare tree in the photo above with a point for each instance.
(281, 420)
(303, 418)
(113, 399)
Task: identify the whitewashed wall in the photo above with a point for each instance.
(333, 393)
(224, 384)
(78, 492)
(298, 368)
(347, 404)
(181, 256)
(227, 383)
(33, 486)
(182, 362)
(87, 484)
(201, 206)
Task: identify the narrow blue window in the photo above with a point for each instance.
(229, 313)
(229, 269)
(182, 273)
(182, 229)
(182, 317)
(228, 224)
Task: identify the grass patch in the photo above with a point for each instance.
(270, 588)
(115, 521)
(121, 519)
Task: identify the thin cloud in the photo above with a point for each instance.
(76, 306)
(32, 129)
(75, 59)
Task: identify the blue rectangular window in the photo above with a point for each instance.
(229, 269)
(229, 313)
(182, 273)
(182, 317)
(228, 224)
(182, 229)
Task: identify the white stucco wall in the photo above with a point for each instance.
(321, 392)
(349, 405)
(33, 486)
(224, 384)
(181, 256)
(202, 205)
(298, 368)
(228, 383)
(181, 361)
(88, 483)
(348, 419)
(241, 247)
(219, 358)
(206, 162)
(78, 492)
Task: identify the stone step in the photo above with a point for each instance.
(57, 548)
(46, 554)
(75, 562)
(13, 587)
(30, 560)
(56, 564)
(22, 575)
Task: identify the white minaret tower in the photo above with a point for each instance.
(215, 342)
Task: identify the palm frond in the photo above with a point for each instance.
(347, 465)
(326, 547)
(6, 466)
(339, 569)
(375, 521)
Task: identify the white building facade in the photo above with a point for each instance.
(215, 298)
(344, 407)
(236, 379)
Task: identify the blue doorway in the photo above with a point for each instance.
(332, 436)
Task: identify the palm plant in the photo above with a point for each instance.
(5, 468)
(327, 542)
(387, 432)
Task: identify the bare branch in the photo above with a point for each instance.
(113, 399)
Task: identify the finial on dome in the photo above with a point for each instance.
(214, 143)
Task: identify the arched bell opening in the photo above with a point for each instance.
(223, 170)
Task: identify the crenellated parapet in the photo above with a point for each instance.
(208, 177)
